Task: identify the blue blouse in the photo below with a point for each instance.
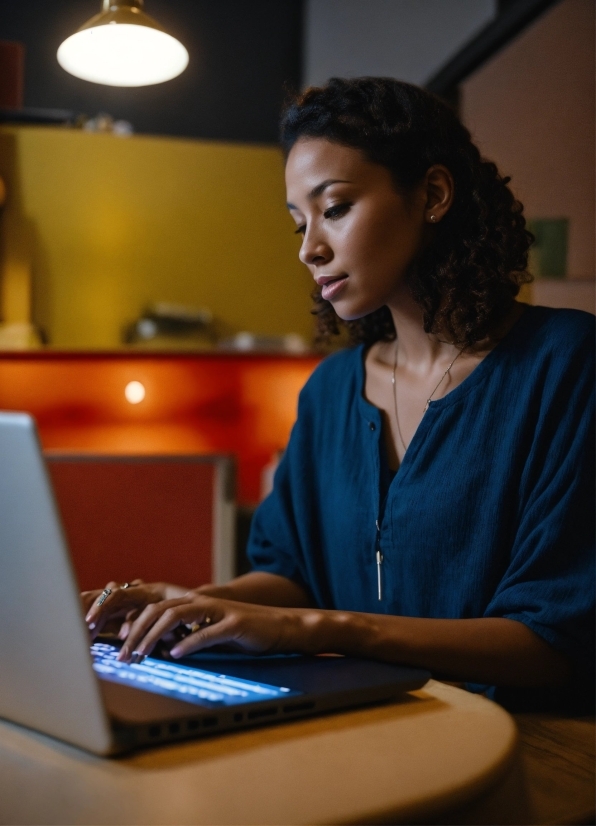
(491, 513)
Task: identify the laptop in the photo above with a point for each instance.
(53, 680)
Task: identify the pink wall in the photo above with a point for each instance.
(531, 110)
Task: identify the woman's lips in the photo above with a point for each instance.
(332, 288)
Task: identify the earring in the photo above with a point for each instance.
(433, 218)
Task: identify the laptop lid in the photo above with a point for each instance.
(47, 681)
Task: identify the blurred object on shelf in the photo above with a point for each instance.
(173, 326)
(12, 72)
(548, 254)
(253, 343)
(19, 336)
(105, 123)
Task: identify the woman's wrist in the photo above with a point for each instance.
(335, 632)
(217, 591)
(167, 590)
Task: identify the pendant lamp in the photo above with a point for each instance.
(122, 46)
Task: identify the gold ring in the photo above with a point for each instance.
(196, 626)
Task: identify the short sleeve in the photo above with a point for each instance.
(549, 583)
(281, 521)
(273, 544)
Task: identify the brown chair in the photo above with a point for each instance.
(160, 518)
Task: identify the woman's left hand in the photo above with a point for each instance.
(257, 629)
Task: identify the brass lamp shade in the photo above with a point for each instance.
(122, 46)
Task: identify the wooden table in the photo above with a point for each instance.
(441, 755)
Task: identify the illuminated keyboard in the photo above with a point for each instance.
(193, 685)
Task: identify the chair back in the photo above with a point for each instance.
(160, 518)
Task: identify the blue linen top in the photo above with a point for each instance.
(491, 513)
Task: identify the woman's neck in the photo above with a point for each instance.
(420, 351)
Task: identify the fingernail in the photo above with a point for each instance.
(91, 626)
(176, 652)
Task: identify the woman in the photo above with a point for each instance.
(433, 504)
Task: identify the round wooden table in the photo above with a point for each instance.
(415, 760)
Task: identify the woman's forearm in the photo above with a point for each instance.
(494, 651)
(259, 588)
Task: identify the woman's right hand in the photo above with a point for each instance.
(114, 608)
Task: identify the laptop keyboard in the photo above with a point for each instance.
(193, 685)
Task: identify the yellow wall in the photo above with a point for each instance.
(112, 224)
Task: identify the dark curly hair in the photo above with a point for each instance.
(467, 278)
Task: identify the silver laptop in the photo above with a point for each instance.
(53, 680)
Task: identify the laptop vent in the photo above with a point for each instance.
(261, 712)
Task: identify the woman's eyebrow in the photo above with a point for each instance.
(319, 189)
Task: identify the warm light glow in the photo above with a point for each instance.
(134, 392)
(121, 54)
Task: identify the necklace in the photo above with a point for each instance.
(428, 401)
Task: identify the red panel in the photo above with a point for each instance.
(233, 404)
(127, 519)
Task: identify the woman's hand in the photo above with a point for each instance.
(257, 629)
(116, 606)
(121, 604)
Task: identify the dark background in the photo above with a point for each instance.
(243, 56)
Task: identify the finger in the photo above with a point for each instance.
(149, 617)
(117, 601)
(124, 630)
(216, 633)
(106, 623)
(88, 597)
(88, 600)
(111, 626)
(127, 624)
(109, 591)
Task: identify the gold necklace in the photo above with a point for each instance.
(428, 401)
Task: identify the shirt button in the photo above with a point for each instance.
(372, 426)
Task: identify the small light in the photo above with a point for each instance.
(134, 392)
(122, 46)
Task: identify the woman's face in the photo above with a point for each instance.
(360, 236)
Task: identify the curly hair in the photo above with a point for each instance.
(467, 278)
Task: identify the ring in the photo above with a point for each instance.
(196, 626)
(125, 586)
(104, 595)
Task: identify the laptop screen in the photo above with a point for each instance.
(192, 685)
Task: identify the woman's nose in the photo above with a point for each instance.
(314, 250)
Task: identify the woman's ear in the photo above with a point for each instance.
(439, 193)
